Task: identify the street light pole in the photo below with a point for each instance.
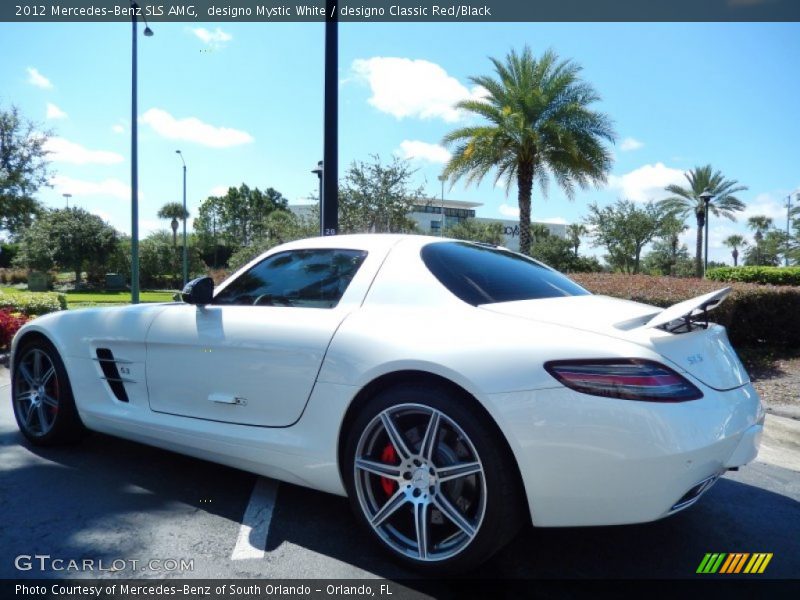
(442, 178)
(706, 197)
(788, 225)
(68, 196)
(135, 156)
(185, 256)
(319, 171)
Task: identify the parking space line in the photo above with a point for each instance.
(253, 533)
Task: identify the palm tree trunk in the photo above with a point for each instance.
(524, 189)
(698, 257)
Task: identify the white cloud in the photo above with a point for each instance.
(509, 211)
(194, 130)
(414, 149)
(765, 204)
(53, 112)
(118, 128)
(630, 144)
(39, 80)
(64, 151)
(214, 38)
(413, 88)
(78, 187)
(218, 190)
(646, 182)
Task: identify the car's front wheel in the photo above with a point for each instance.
(429, 480)
(42, 396)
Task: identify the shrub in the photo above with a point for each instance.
(10, 323)
(33, 303)
(763, 275)
(13, 276)
(753, 314)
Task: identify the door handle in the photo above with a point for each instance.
(220, 398)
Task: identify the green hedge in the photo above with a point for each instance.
(33, 303)
(753, 314)
(762, 275)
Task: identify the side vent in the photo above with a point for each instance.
(111, 374)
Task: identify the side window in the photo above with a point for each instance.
(302, 278)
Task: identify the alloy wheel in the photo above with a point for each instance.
(36, 392)
(420, 482)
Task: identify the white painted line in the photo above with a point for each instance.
(253, 533)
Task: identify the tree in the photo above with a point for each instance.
(280, 227)
(558, 253)
(734, 242)
(540, 126)
(158, 262)
(23, 170)
(237, 218)
(67, 238)
(376, 198)
(574, 233)
(624, 229)
(173, 212)
(759, 224)
(687, 200)
(477, 231)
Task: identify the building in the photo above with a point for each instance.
(428, 218)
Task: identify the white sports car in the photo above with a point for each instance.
(452, 390)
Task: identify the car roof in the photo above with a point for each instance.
(361, 241)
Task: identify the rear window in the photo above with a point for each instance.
(485, 275)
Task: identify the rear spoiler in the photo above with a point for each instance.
(689, 309)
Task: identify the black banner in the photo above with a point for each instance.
(402, 10)
(732, 587)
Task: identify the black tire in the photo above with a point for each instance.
(41, 396)
(449, 547)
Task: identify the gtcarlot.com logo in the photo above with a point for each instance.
(734, 562)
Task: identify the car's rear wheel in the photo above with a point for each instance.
(429, 481)
(42, 396)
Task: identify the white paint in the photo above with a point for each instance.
(253, 533)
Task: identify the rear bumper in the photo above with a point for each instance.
(587, 460)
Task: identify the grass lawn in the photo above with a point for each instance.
(79, 299)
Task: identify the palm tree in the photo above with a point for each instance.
(540, 126)
(539, 231)
(574, 233)
(735, 242)
(760, 224)
(173, 211)
(687, 200)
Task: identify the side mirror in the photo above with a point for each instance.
(198, 291)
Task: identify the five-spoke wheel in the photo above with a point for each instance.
(41, 396)
(426, 476)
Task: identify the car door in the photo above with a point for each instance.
(252, 356)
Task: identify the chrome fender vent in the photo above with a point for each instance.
(108, 364)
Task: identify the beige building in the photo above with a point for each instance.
(429, 219)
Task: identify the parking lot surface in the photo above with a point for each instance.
(150, 513)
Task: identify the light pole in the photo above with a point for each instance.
(442, 178)
(68, 196)
(788, 225)
(706, 197)
(185, 260)
(319, 172)
(135, 156)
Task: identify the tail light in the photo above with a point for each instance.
(624, 378)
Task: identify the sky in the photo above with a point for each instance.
(244, 104)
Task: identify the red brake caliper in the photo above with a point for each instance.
(389, 456)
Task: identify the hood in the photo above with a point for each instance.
(704, 353)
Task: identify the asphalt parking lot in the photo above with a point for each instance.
(112, 500)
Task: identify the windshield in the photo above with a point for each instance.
(485, 275)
